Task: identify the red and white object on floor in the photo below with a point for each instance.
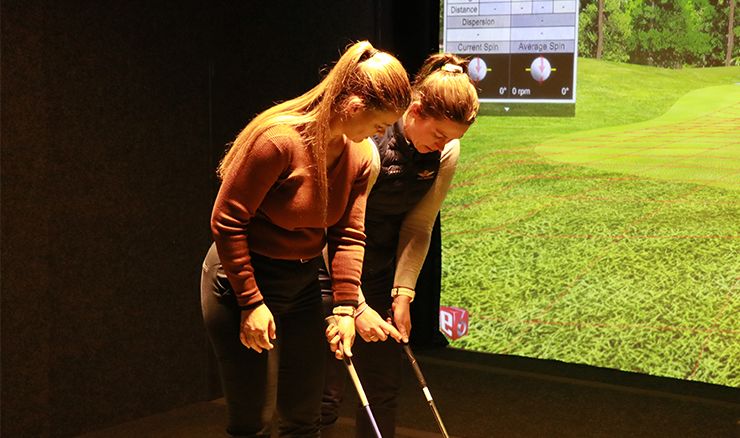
(453, 322)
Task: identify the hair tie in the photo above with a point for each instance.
(452, 68)
(367, 54)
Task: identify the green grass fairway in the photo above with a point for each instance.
(611, 238)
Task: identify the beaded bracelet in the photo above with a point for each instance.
(362, 308)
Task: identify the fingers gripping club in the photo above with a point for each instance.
(356, 381)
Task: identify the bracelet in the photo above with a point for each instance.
(344, 311)
(405, 291)
(362, 308)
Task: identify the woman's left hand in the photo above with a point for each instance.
(402, 316)
(373, 328)
(343, 330)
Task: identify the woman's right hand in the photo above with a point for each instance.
(257, 328)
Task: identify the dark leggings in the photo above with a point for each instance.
(378, 365)
(285, 381)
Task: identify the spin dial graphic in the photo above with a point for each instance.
(477, 69)
(540, 69)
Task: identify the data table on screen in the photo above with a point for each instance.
(519, 50)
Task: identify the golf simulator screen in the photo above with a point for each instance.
(608, 239)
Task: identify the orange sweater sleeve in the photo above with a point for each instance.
(346, 238)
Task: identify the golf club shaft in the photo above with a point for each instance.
(356, 380)
(425, 389)
(422, 382)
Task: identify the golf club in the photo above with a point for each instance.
(422, 381)
(356, 381)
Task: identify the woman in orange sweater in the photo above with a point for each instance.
(292, 182)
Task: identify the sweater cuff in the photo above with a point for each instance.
(353, 303)
(249, 299)
(252, 306)
(343, 296)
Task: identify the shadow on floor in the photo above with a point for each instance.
(489, 396)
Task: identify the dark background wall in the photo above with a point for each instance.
(114, 116)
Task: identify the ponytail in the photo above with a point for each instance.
(445, 91)
(376, 77)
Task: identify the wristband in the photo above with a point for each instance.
(405, 291)
(344, 311)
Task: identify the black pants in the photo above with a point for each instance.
(285, 381)
(379, 366)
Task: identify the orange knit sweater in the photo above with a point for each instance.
(269, 206)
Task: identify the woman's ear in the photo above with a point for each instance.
(414, 110)
(354, 104)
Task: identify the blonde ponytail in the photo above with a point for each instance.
(376, 77)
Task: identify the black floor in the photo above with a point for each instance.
(488, 396)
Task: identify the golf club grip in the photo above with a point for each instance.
(356, 380)
(410, 354)
(415, 365)
(351, 368)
